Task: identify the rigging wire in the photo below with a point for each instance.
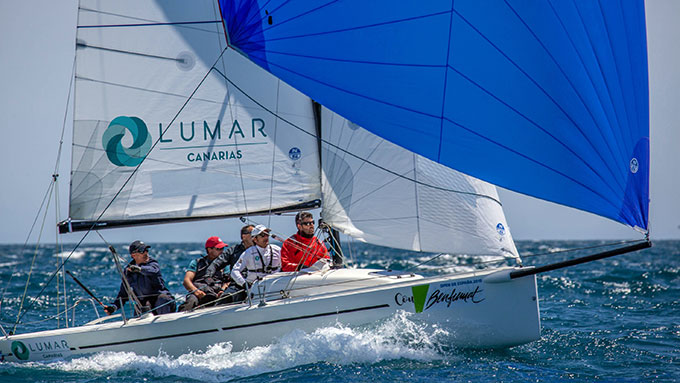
(52, 186)
(25, 245)
(30, 271)
(56, 248)
(132, 173)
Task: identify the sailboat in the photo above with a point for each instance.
(217, 109)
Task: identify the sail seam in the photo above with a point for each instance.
(606, 184)
(296, 16)
(259, 11)
(445, 87)
(255, 42)
(147, 21)
(616, 175)
(148, 24)
(271, 177)
(609, 100)
(358, 170)
(617, 72)
(606, 115)
(417, 202)
(144, 89)
(354, 93)
(631, 208)
(534, 161)
(356, 61)
(352, 154)
(524, 116)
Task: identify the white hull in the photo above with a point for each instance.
(482, 309)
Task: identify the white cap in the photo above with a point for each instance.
(259, 229)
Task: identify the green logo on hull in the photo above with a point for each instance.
(419, 296)
(20, 350)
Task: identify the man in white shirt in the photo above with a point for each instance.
(258, 260)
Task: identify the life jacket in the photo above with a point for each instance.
(268, 268)
(201, 269)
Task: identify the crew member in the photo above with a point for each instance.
(302, 249)
(203, 290)
(226, 261)
(144, 277)
(257, 261)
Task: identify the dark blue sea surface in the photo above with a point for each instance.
(616, 319)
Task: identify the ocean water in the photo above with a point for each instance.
(614, 320)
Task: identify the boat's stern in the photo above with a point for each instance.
(480, 310)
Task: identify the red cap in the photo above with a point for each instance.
(215, 242)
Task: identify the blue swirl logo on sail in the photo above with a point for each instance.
(112, 141)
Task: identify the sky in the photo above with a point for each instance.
(36, 59)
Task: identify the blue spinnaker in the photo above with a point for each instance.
(546, 98)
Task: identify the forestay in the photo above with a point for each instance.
(221, 154)
(381, 193)
(546, 98)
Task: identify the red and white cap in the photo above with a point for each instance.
(215, 242)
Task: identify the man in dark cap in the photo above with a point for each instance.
(144, 276)
(202, 290)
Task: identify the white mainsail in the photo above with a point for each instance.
(138, 63)
(380, 193)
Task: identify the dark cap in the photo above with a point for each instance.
(138, 247)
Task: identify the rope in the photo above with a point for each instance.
(94, 224)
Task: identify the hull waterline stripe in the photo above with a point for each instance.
(233, 327)
(306, 317)
(147, 339)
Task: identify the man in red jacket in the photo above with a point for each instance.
(302, 249)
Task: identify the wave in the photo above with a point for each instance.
(398, 337)
(67, 254)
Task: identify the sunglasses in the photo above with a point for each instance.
(309, 223)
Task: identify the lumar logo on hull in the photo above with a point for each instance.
(20, 350)
(113, 137)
